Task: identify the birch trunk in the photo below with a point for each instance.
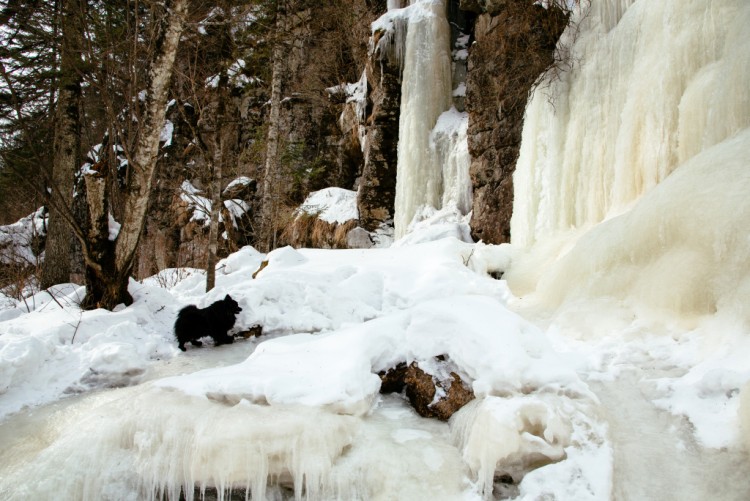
(109, 262)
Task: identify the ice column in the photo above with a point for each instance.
(426, 94)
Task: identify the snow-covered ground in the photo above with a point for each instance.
(102, 405)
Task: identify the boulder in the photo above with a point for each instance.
(430, 395)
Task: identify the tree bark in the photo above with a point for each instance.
(109, 262)
(217, 164)
(67, 147)
(271, 173)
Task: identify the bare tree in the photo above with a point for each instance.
(217, 163)
(109, 261)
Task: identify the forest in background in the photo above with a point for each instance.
(144, 128)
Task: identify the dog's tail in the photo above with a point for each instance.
(187, 309)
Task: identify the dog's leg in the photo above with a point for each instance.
(195, 342)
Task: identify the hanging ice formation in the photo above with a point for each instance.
(433, 158)
(634, 164)
(659, 83)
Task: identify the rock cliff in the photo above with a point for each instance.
(514, 43)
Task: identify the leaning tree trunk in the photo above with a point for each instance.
(110, 259)
(67, 147)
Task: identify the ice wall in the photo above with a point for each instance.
(633, 175)
(433, 159)
(652, 85)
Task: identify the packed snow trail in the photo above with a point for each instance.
(656, 456)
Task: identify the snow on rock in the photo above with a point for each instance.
(240, 181)
(237, 208)
(114, 227)
(332, 205)
(200, 205)
(17, 240)
(166, 134)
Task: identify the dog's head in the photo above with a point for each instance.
(232, 305)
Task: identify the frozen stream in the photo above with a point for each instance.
(655, 454)
(392, 441)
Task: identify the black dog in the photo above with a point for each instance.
(215, 320)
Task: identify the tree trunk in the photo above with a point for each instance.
(271, 173)
(67, 146)
(109, 262)
(217, 164)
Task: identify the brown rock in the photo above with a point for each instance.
(422, 387)
(254, 331)
(377, 188)
(514, 44)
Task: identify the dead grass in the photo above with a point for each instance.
(306, 230)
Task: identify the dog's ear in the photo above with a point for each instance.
(228, 298)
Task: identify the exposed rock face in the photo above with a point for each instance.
(514, 44)
(327, 43)
(377, 187)
(421, 389)
(311, 232)
(172, 238)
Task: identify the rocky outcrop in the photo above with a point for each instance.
(377, 186)
(430, 395)
(514, 43)
(309, 231)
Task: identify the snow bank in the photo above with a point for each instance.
(497, 351)
(303, 411)
(57, 349)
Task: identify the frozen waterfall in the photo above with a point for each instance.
(651, 86)
(433, 162)
(633, 176)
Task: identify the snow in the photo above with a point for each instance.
(332, 320)
(166, 134)
(332, 205)
(114, 227)
(242, 180)
(200, 205)
(17, 239)
(236, 76)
